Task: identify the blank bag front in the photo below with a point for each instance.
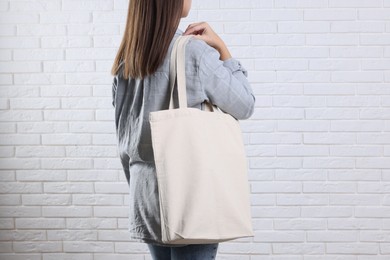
(201, 168)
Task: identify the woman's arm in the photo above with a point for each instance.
(222, 77)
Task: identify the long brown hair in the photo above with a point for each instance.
(150, 27)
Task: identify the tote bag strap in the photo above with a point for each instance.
(177, 72)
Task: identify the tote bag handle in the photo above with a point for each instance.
(177, 74)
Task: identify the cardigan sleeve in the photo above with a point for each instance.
(114, 87)
(225, 84)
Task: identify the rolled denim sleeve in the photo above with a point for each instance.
(226, 85)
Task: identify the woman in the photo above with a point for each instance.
(141, 85)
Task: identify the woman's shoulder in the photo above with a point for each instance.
(197, 48)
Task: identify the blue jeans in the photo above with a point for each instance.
(189, 252)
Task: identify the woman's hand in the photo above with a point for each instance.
(204, 32)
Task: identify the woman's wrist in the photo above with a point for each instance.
(224, 53)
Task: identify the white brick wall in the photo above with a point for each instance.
(318, 143)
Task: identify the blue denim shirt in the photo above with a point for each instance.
(223, 83)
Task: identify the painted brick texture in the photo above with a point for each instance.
(318, 142)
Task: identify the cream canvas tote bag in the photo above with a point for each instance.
(201, 168)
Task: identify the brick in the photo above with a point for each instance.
(68, 17)
(67, 256)
(97, 199)
(250, 27)
(305, 199)
(375, 113)
(86, 78)
(60, 139)
(46, 199)
(65, 42)
(7, 175)
(86, 246)
(16, 235)
(356, 126)
(87, 5)
(262, 77)
(280, 64)
(309, 224)
(5, 247)
(40, 223)
(373, 89)
(349, 223)
(279, 113)
(6, 223)
(42, 6)
(92, 175)
(356, 248)
(330, 14)
(277, 40)
(373, 14)
(110, 211)
(379, 39)
(299, 101)
(5, 55)
(64, 187)
(21, 256)
(19, 18)
(304, 27)
(329, 138)
(8, 200)
(326, 212)
(66, 163)
(358, 200)
(41, 246)
(300, 125)
(354, 175)
(333, 39)
(280, 236)
(276, 15)
(92, 127)
(20, 187)
(334, 65)
(297, 150)
(355, 3)
(7, 151)
(357, 26)
(284, 163)
(300, 4)
(39, 78)
(264, 150)
(354, 101)
(376, 64)
(25, 211)
(66, 211)
(91, 223)
(232, 4)
(356, 52)
(20, 115)
(18, 163)
(326, 89)
(328, 162)
(302, 52)
(71, 235)
(375, 162)
(331, 187)
(303, 76)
